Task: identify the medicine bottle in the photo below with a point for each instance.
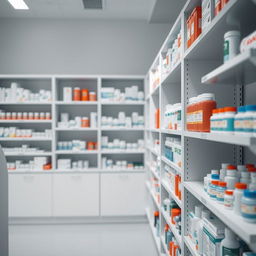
(213, 189)
(228, 119)
(221, 192)
(205, 106)
(240, 169)
(249, 117)
(76, 94)
(231, 44)
(239, 117)
(248, 206)
(245, 177)
(238, 194)
(214, 120)
(229, 245)
(223, 171)
(231, 177)
(229, 199)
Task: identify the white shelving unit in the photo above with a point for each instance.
(200, 70)
(129, 181)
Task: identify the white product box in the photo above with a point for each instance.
(213, 233)
(93, 120)
(67, 94)
(207, 13)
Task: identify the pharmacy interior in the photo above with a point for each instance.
(175, 146)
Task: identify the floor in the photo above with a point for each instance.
(81, 240)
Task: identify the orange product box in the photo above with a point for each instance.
(188, 32)
(218, 7)
(157, 119)
(196, 27)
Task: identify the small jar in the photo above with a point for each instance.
(25, 115)
(231, 44)
(92, 96)
(229, 199)
(213, 189)
(85, 95)
(90, 145)
(221, 192)
(42, 116)
(14, 116)
(48, 116)
(19, 115)
(8, 116)
(85, 122)
(76, 94)
(36, 116)
(30, 115)
(248, 206)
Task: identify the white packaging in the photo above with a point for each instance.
(231, 44)
(78, 121)
(248, 42)
(104, 142)
(195, 220)
(64, 164)
(121, 118)
(207, 13)
(67, 94)
(107, 93)
(64, 117)
(213, 233)
(230, 244)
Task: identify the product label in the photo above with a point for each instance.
(228, 202)
(229, 252)
(195, 117)
(226, 50)
(248, 211)
(248, 124)
(220, 196)
(238, 124)
(228, 124)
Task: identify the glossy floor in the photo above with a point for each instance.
(81, 240)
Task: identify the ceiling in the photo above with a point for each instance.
(153, 11)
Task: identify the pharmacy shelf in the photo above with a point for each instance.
(26, 103)
(121, 129)
(171, 192)
(164, 246)
(76, 103)
(171, 144)
(153, 151)
(76, 129)
(76, 171)
(171, 164)
(172, 226)
(171, 132)
(153, 230)
(28, 153)
(174, 75)
(120, 103)
(155, 92)
(232, 69)
(152, 195)
(119, 151)
(155, 173)
(76, 152)
(247, 231)
(242, 140)
(30, 172)
(190, 246)
(25, 139)
(26, 121)
(127, 170)
(215, 30)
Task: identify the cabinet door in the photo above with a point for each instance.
(76, 194)
(122, 194)
(30, 195)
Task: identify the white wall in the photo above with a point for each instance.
(78, 46)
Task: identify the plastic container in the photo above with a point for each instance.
(214, 120)
(245, 177)
(239, 118)
(85, 95)
(191, 109)
(220, 192)
(217, 8)
(228, 119)
(213, 189)
(238, 194)
(229, 245)
(229, 199)
(223, 171)
(175, 212)
(240, 169)
(248, 206)
(92, 96)
(76, 94)
(231, 44)
(249, 119)
(195, 220)
(85, 122)
(231, 177)
(206, 104)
